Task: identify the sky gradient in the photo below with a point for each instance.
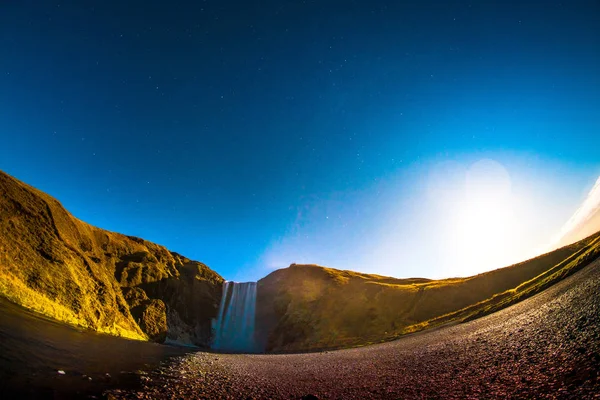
(250, 135)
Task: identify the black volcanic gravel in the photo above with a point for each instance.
(545, 347)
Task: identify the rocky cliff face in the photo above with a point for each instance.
(57, 265)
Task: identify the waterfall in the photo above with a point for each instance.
(234, 327)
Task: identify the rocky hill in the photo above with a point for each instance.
(57, 265)
(309, 307)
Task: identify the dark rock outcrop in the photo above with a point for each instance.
(59, 266)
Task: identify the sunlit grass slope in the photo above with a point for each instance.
(57, 265)
(308, 307)
(588, 252)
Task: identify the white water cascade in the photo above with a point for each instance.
(234, 327)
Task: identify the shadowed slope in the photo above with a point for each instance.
(59, 266)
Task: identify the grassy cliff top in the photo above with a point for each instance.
(310, 307)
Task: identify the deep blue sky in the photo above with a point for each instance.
(249, 135)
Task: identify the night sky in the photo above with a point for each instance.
(250, 135)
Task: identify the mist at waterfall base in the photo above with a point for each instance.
(235, 325)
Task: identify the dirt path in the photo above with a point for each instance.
(548, 346)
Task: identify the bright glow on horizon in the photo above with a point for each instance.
(439, 219)
(590, 205)
(485, 221)
(482, 221)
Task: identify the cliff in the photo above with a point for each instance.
(66, 269)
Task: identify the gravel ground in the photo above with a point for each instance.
(547, 346)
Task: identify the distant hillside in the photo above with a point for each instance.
(309, 307)
(59, 266)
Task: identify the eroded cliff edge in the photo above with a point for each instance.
(68, 270)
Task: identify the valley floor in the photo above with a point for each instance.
(547, 346)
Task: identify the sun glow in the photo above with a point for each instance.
(485, 227)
